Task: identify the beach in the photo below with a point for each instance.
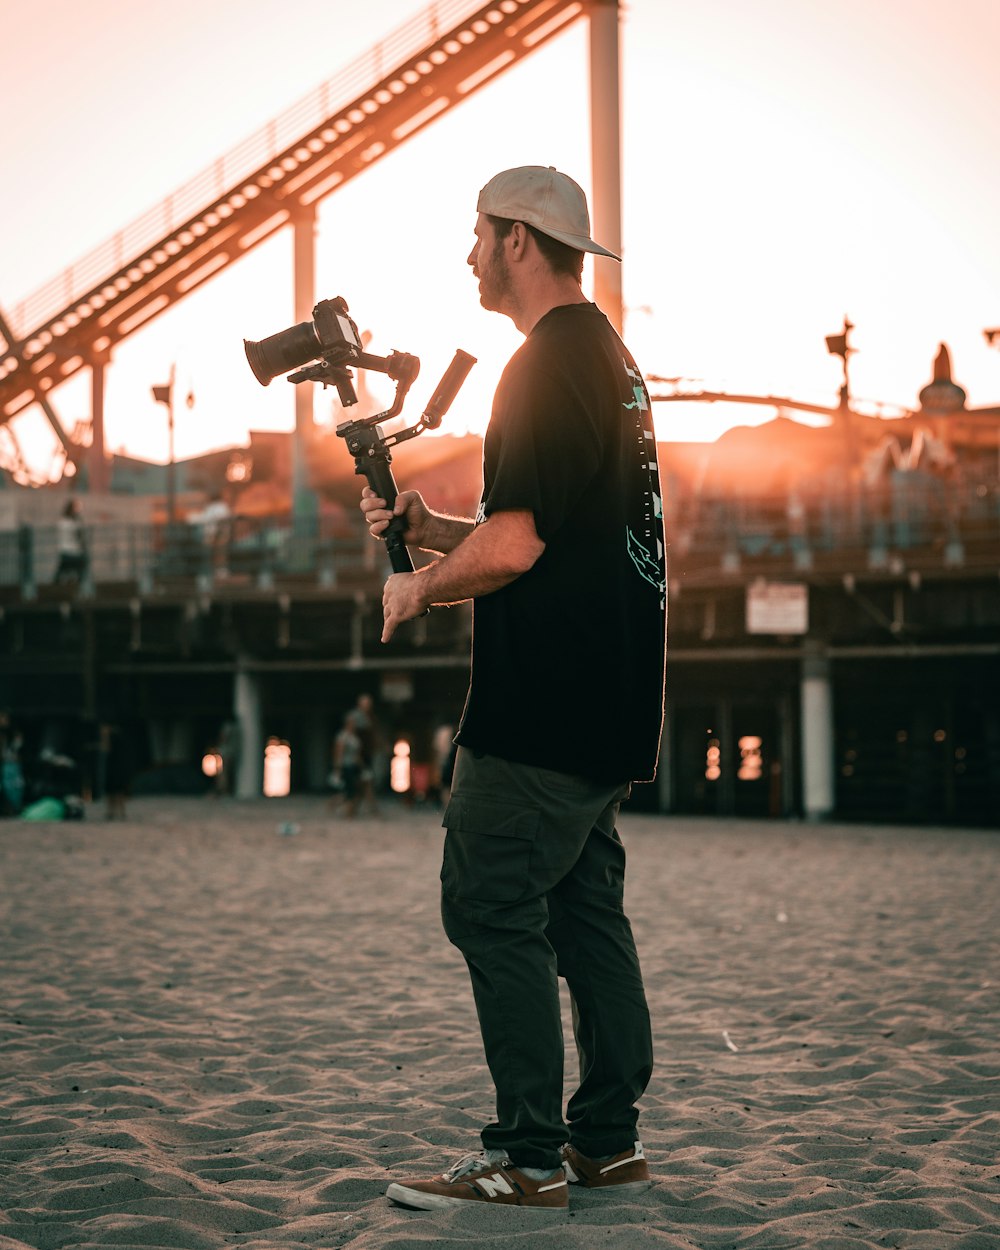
(230, 1023)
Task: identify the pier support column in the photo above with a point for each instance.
(606, 155)
(304, 507)
(817, 736)
(247, 711)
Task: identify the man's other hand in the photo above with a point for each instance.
(402, 600)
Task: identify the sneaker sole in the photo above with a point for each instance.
(632, 1186)
(435, 1202)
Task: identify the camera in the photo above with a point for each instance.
(331, 334)
(321, 351)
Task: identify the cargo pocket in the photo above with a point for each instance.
(487, 852)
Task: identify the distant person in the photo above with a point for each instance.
(115, 754)
(71, 544)
(56, 776)
(11, 773)
(565, 567)
(366, 727)
(228, 751)
(347, 767)
(213, 524)
(213, 519)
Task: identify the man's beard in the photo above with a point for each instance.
(494, 280)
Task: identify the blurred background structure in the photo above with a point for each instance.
(834, 589)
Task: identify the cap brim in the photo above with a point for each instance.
(579, 241)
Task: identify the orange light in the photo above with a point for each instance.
(277, 768)
(751, 758)
(399, 768)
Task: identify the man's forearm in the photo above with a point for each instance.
(444, 533)
(491, 555)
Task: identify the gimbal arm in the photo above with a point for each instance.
(322, 350)
(371, 449)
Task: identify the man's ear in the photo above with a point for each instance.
(519, 240)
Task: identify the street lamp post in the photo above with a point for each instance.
(165, 395)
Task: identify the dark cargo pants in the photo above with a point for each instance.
(532, 886)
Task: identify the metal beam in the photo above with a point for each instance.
(318, 146)
(15, 349)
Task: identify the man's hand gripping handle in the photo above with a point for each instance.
(380, 479)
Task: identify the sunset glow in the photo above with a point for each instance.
(784, 164)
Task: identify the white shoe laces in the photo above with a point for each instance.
(468, 1163)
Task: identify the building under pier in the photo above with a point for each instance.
(834, 636)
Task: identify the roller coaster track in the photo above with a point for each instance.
(400, 87)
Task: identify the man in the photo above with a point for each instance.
(565, 565)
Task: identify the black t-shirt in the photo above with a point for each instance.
(568, 659)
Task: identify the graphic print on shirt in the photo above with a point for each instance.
(644, 533)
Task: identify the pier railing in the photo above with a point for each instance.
(243, 554)
(899, 527)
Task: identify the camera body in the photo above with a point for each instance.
(331, 335)
(336, 331)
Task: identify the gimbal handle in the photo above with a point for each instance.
(372, 459)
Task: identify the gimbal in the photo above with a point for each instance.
(331, 343)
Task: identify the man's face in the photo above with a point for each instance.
(489, 264)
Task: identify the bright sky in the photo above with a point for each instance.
(785, 162)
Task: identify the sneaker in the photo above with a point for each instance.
(628, 1170)
(475, 1179)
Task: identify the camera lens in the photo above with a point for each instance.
(282, 351)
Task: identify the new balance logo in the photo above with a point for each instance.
(493, 1185)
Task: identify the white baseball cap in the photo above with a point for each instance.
(542, 197)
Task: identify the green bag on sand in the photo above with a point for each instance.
(45, 809)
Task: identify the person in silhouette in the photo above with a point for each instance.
(565, 567)
(213, 524)
(366, 728)
(348, 766)
(115, 763)
(71, 544)
(229, 751)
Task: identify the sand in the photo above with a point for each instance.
(213, 1034)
